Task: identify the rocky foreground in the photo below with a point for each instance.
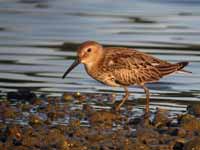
(55, 123)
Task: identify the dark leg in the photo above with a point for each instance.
(124, 99)
(146, 90)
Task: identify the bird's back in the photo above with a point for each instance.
(128, 66)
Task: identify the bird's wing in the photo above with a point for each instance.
(131, 66)
(140, 57)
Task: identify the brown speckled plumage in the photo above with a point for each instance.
(119, 66)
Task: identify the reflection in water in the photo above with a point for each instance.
(32, 53)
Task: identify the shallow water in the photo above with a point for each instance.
(32, 33)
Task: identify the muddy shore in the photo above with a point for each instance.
(30, 122)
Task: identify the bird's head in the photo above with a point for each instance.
(88, 53)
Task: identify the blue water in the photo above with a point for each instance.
(32, 32)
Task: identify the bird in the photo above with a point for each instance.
(123, 67)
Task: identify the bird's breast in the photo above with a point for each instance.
(101, 75)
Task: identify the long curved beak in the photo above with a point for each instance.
(73, 65)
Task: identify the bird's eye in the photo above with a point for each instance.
(89, 50)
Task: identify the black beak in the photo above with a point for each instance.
(73, 65)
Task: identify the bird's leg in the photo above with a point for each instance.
(124, 99)
(146, 90)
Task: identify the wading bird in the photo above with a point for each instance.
(122, 67)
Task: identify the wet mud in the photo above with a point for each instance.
(71, 123)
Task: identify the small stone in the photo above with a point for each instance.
(162, 147)
(30, 141)
(147, 135)
(37, 101)
(137, 146)
(25, 107)
(178, 146)
(193, 144)
(35, 120)
(67, 97)
(135, 121)
(180, 132)
(161, 118)
(87, 108)
(74, 123)
(194, 109)
(79, 96)
(104, 118)
(22, 95)
(189, 122)
(7, 111)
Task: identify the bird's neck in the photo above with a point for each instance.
(94, 66)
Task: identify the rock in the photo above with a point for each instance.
(136, 146)
(193, 144)
(162, 147)
(166, 139)
(15, 132)
(31, 141)
(54, 115)
(74, 124)
(180, 132)
(80, 97)
(7, 111)
(56, 138)
(194, 109)
(55, 124)
(178, 146)
(87, 109)
(12, 135)
(189, 122)
(161, 118)
(13, 95)
(26, 107)
(21, 95)
(147, 136)
(37, 101)
(104, 118)
(135, 121)
(67, 97)
(35, 120)
(94, 137)
(79, 114)
(178, 143)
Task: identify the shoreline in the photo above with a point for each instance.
(70, 123)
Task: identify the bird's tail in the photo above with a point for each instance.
(171, 68)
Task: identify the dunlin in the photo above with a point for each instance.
(122, 67)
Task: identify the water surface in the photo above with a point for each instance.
(32, 34)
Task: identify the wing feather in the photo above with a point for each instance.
(132, 67)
